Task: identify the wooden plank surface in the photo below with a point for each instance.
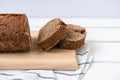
(56, 59)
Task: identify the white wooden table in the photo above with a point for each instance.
(104, 40)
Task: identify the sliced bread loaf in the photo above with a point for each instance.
(14, 33)
(51, 33)
(75, 36)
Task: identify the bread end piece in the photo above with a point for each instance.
(75, 37)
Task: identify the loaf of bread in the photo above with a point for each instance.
(75, 37)
(51, 33)
(14, 33)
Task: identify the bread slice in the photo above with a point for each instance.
(75, 36)
(51, 33)
(14, 33)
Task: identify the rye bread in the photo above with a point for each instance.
(14, 33)
(51, 33)
(75, 37)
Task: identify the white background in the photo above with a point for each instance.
(63, 8)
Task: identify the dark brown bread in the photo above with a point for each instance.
(75, 37)
(51, 34)
(14, 33)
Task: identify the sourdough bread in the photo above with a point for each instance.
(51, 33)
(14, 33)
(75, 37)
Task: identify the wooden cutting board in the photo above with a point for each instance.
(55, 59)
